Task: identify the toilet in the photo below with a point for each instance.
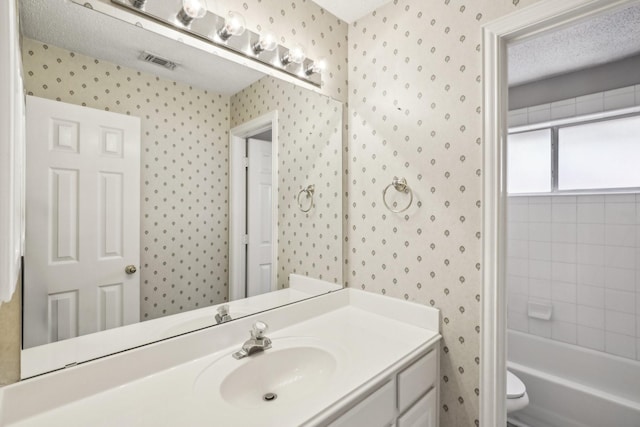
(517, 397)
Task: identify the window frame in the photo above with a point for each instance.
(555, 126)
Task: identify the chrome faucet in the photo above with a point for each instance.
(257, 343)
(223, 314)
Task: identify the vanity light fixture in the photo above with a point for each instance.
(228, 32)
(295, 56)
(266, 42)
(317, 66)
(191, 9)
(234, 25)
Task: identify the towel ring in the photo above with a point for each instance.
(400, 184)
(308, 190)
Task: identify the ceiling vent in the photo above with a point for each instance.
(158, 60)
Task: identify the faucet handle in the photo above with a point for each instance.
(223, 314)
(223, 310)
(259, 329)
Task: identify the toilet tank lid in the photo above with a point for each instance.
(515, 387)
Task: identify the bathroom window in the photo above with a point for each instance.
(599, 155)
(593, 156)
(529, 162)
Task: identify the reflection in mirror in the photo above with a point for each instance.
(134, 141)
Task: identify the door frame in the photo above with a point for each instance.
(542, 16)
(238, 200)
(12, 152)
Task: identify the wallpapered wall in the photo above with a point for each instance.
(184, 170)
(415, 96)
(310, 152)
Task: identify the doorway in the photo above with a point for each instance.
(259, 194)
(253, 172)
(541, 17)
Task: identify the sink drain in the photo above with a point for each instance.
(269, 397)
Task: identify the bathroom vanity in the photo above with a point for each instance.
(347, 358)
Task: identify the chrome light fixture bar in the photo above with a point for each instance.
(230, 33)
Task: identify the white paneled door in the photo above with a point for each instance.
(83, 221)
(259, 221)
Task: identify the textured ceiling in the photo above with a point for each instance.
(593, 42)
(79, 29)
(350, 10)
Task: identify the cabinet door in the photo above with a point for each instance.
(377, 410)
(414, 381)
(422, 414)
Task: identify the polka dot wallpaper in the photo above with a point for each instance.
(184, 170)
(310, 152)
(415, 97)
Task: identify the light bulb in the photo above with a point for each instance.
(295, 55)
(192, 9)
(234, 25)
(317, 66)
(266, 42)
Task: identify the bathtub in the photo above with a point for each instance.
(570, 386)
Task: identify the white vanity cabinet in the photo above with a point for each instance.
(407, 398)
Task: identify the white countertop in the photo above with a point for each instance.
(156, 384)
(49, 357)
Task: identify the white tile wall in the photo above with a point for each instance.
(591, 338)
(563, 109)
(595, 103)
(619, 98)
(581, 254)
(539, 113)
(621, 345)
(590, 104)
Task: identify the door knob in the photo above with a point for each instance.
(130, 269)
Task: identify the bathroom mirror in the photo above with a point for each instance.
(163, 182)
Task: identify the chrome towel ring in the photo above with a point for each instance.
(308, 190)
(400, 184)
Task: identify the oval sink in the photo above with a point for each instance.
(290, 371)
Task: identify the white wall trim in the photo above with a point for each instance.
(12, 146)
(237, 200)
(524, 23)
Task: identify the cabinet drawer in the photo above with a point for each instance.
(377, 410)
(422, 414)
(414, 381)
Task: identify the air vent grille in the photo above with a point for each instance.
(158, 60)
